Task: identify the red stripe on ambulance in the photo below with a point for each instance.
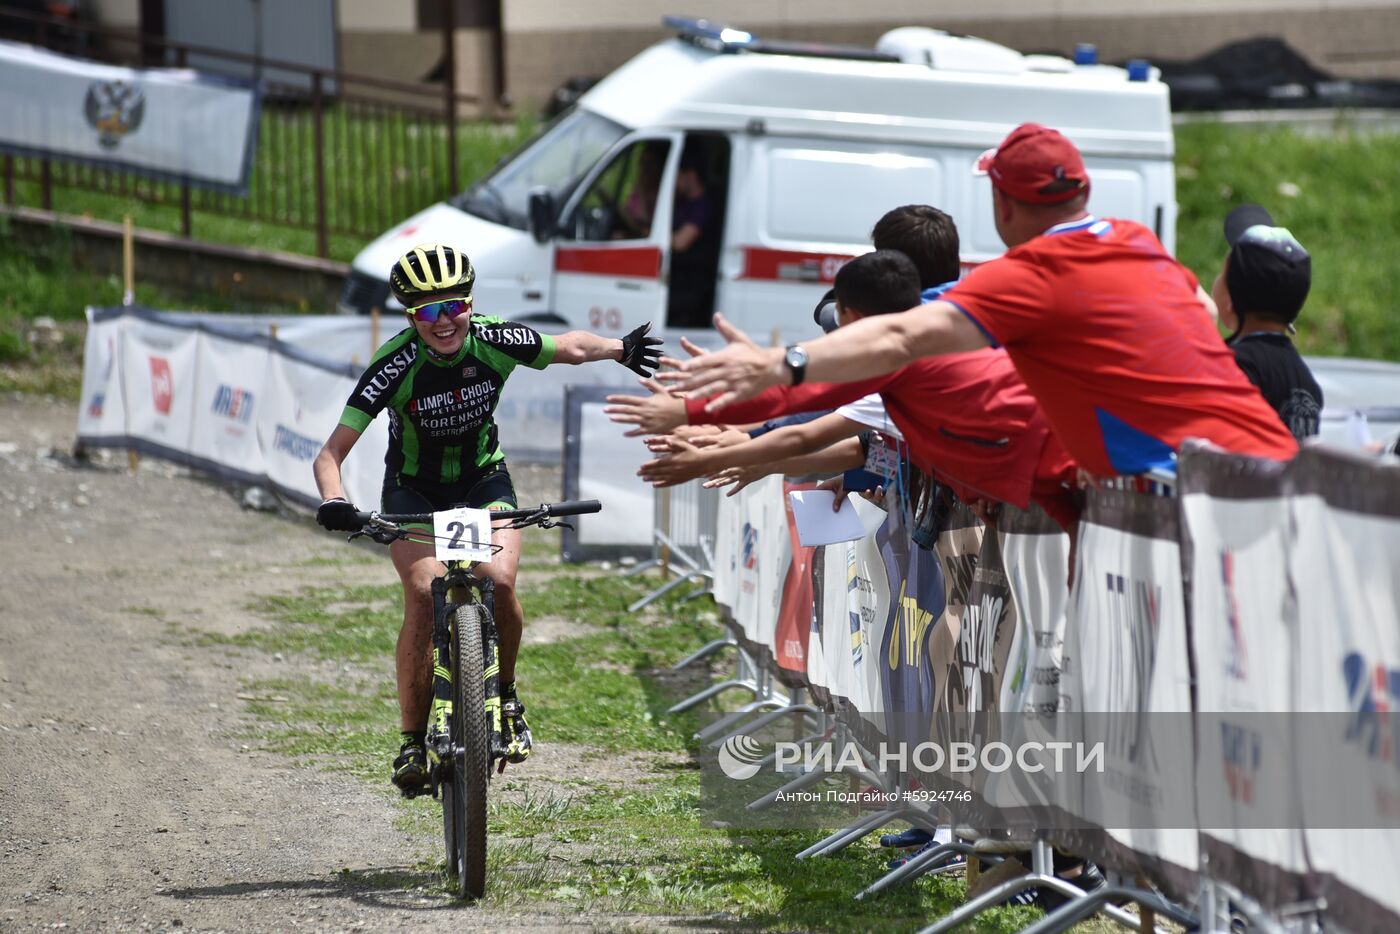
(791, 265)
(640, 262)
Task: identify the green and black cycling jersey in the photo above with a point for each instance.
(441, 428)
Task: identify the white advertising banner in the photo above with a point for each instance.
(302, 404)
(101, 412)
(228, 391)
(763, 556)
(1245, 638)
(158, 384)
(175, 124)
(1037, 569)
(869, 606)
(1345, 566)
(1126, 657)
(725, 583)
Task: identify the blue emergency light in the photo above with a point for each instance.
(691, 28)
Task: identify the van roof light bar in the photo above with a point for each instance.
(721, 38)
(711, 35)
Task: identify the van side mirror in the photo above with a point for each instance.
(543, 214)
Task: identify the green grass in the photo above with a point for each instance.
(592, 841)
(1336, 193)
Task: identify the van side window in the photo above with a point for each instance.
(621, 202)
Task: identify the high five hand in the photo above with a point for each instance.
(641, 354)
(740, 371)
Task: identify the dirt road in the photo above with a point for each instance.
(128, 798)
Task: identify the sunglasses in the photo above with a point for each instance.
(430, 312)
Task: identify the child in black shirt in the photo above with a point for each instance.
(1259, 294)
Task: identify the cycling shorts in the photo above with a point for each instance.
(491, 489)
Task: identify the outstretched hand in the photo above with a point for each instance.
(739, 371)
(737, 478)
(684, 462)
(655, 414)
(641, 354)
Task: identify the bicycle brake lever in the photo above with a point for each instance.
(354, 535)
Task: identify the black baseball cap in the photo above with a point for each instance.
(825, 312)
(1268, 271)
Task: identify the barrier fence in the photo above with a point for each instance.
(1242, 641)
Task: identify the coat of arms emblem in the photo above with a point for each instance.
(114, 109)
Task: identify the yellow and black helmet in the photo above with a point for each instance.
(431, 272)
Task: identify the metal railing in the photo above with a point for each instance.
(337, 152)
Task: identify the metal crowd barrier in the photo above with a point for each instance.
(683, 535)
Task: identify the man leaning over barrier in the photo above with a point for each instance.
(1114, 338)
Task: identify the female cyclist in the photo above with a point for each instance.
(440, 379)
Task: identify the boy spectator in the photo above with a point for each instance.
(1260, 292)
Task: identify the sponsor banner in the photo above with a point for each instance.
(167, 123)
(957, 547)
(1244, 633)
(794, 627)
(728, 546)
(816, 645)
(763, 557)
(300, 407)
(910, 672)
(158, 384)
(101, 410)
(1126, 655)
(227, 393)
(1035, 556)
(1346, 516)
(872, 585)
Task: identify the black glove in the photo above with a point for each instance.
(338, 516)
(641, 354)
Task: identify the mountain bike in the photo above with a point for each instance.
(460, 763)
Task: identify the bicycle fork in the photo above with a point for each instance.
(484, 589)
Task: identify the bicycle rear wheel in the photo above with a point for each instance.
(471, 761)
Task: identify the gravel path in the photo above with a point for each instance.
(128, 799)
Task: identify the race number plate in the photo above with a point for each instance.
(462, 534)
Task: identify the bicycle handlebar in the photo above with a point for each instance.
(543, 511)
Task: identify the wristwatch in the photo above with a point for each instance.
(796, 360)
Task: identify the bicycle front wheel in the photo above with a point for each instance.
(471, 765)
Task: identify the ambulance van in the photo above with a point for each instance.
(782, 156)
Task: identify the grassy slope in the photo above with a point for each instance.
(1337, 195)
(583, 841)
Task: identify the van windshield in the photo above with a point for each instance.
(555, 159)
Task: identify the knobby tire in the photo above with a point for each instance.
(471, 768)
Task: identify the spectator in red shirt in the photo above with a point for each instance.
(968, 419)
(1113, 337)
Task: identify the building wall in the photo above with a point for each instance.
(122, 13)
(547, 42)
(1352, 38)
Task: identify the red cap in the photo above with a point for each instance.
(1033, 164)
